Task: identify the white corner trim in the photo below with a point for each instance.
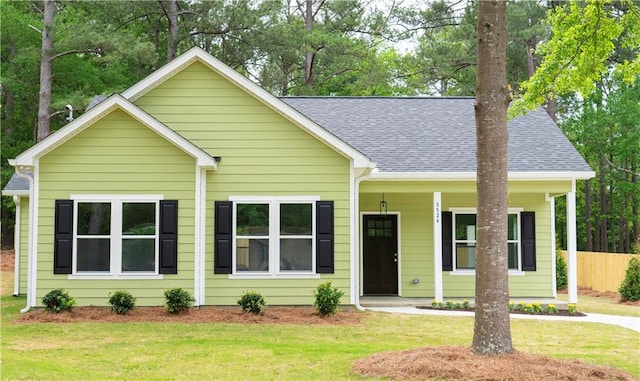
(112, 103)
(437, 245)
(198, 54)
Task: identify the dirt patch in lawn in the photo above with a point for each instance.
(270, 315)
(602, 294)
(7, 260)
(459, 363)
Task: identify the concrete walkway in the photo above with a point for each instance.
(629, 322)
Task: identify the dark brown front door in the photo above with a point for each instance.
(380, 255)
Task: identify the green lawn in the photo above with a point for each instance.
(98, 351)
(603, 305)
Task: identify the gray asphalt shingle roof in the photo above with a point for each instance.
(17, 184)
(428, 134)
(425, 134)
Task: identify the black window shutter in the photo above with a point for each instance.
(447, 241)
(223, 219)
(63, 237)
(528, 240)
(324, 237)
(168, 237)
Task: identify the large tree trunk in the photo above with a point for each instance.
(531, 64)
(587, 215)
(635, 238)
(172, 38)
(492, 329)
(44, 119)
(309, 54)
(604, 244)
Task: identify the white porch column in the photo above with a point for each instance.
(572, 265)
(437, 245)
(552, 227)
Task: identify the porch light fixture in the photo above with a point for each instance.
(383, 206)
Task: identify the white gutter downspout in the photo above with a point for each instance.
(32, 222)
(355, 237)
(197, 236)
(200, 238)
(16, 247)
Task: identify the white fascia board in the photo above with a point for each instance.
(28, 157)
(196, 53)
(422, 176)
(20, 193)
(471, 176)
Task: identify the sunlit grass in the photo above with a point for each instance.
(99, 351)
(603, 305)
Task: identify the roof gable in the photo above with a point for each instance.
(29, 157)
(196, 54)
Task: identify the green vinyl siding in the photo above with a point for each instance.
(415, 221)
(262, 154)
(23, 255)
(415, 227)
(527, 284)
(116, 156)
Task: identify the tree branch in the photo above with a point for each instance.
(619, 168)
(76, 51)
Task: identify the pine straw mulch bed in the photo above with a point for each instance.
(269, 315)
(519, 312)
(459, 363)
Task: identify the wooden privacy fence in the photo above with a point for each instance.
(601, 271)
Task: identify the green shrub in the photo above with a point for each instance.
(561, 271)
(630, 286)
(327, 299)
(58, 300)
(177, 300)
(251, 301)
(122, 302)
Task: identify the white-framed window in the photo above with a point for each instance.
(464, 239)
(116, 235)
(274, 236)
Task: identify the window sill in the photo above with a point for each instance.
(115, 276)
(473, 272)
(274, 276)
